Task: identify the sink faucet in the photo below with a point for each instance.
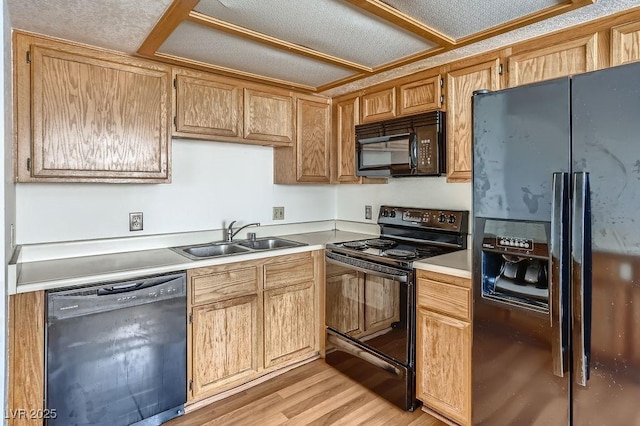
(231, 233)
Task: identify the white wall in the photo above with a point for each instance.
(425, 192)
(213, 183)
(7, 190)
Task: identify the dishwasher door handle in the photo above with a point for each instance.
(124, 288)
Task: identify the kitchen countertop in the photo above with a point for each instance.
(74, 271)
(457, 263)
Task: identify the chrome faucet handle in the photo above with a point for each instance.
(230, 231)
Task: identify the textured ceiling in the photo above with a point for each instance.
(323, 41)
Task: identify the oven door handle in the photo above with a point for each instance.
(403, 277)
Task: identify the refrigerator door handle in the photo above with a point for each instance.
(557, 272)
(581, 278)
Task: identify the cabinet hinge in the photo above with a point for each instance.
(441, 99)
(175, 120)
(441, 82)
(28, 56)
(190, 385)
(28, 164)
(175, 83)
(190, 318)
(500, 70)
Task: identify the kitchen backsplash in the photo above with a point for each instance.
(213, 183)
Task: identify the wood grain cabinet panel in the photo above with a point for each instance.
(289, 324)
(225, 344)
(420, 96)
(461, 84)
(93, 116)
(222, 285)
(268, 117)
(443, 366)
(26, 357)
(379, 105)
(563, 59)
(308, 160)
(287, 270)
(207, 106)
(443, 345)
(346, 116)
(625, 43)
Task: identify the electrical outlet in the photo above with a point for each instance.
(135, 221)
(278, 213)
(367, 212)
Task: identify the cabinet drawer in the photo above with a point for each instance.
(222, 285)
(292, 270)
(445, 298)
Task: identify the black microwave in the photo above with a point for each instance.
(405, 146)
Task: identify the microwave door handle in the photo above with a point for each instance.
(413, 152)
(387, 138)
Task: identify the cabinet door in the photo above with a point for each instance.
(381, 303)
(443, 365)
(379, 105)
(347, 116)
(207, 106)
(460, 87)
(420, 96)
(313, 141)
(289, 324)
(572, 57)
(268, 117)
(224, 345)
(97, 118)
(625, 43)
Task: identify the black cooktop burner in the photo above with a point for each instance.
(401, 254)
(358, 245)
(380, 243)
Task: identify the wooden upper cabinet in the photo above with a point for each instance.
(558, 60)
(268, 117)
(346, 115)
(420, 96)
(461, 84)
(625, 43)
(207, 106)
(86, 115)
(379, 105)
(308, 159)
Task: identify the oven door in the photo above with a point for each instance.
(370, 322)
(372, 304)
(387, 155)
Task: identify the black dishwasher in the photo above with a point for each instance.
(116, 353)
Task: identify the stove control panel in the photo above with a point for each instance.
(449, 220)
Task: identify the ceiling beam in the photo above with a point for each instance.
(393, 15)
(271, 41)
(523, 21)
(173, 16)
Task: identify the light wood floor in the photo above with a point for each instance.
(314, 394)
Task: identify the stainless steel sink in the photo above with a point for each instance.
(204, 251)
(269, 243)
(209, 250)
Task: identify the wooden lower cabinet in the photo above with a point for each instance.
(443, 345)
(247, 319)
(289, 324)
(225, 347)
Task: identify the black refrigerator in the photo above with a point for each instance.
(556, 240)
